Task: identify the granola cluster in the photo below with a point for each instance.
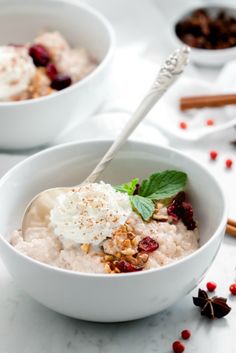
(127, 251)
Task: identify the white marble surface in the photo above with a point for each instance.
(28, 327)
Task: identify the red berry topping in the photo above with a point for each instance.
(137, 186)
(211, 286)
(61, 81)
(51, 71)
(228, 163)
(183, 125)
(232, 288)
(185, 334)
(179, 209)
(210, 122)
(125, 266)
(178, 347)
(213, 155)
(39, 55)
(148, 244)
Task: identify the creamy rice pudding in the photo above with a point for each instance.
(99, 228)
(42, 67)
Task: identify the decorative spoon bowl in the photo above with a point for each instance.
(105, 297)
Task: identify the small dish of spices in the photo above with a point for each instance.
(211, 33)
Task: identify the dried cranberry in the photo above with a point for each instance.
(137, 186)
(148, 244)
(179, 209)
(61, 81)
(125, 266)
(39, 55)
(51, 71)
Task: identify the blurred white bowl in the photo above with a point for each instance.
(103, 297)
(207, 57)
(36, 122)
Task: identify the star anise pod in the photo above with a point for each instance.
(211, 307)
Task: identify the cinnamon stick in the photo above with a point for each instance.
(219, 100)
(231, 227)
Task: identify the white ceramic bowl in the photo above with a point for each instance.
(103, 297)
(207, 57)
(36, 122)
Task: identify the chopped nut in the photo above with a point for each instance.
(118, 255)
(160, 218)
(129, 228)
(108, 258)
(126, 243)
(116, 270)
(107, 268)
(85, 248)
(129, 252)
(131, 235)
(135, 241)
(143, 256)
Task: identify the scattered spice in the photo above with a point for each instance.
(183, 125)
(185, 334)
(178, 347)
(215, 307)
(228, 163)
(210, 122)
(232, 289)
(213, 155)
(211, 286)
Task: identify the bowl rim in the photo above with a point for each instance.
(103, 63)
(188, 11)
(59, 270)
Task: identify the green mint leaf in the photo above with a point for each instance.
(163, 185)
(142, 205)
(128, 187)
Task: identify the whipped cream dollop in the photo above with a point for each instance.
(90, 213)
(16, 71)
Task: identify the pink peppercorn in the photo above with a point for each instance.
(185, 334)
(211, 286)
(232, 289)
(210, 122)
(183, 125)
(228, 163)
(178, 347)
(213, 155)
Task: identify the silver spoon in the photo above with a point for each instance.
(170, 71)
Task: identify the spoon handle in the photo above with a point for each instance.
(170, 71)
